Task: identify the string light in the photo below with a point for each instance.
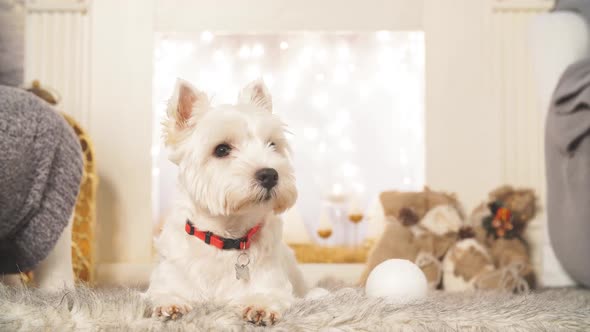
(244, 52)
(341, 75)
(257, 50)
(322, 148)
(305, 57)
(328, 89)
(383, 36)
(310, 133)
(253, 72)
(289, 94)
(341, 121)
(343, 52)
(292, 75)
(403, 157)
(155, 150)
(386, 56)
(207, 36)
(322, 56)
(358, 187)
(268, 79)
(348, 169)
(219, 57)
(364, 90)
(346, 144)
(337, 189)
(320, 101)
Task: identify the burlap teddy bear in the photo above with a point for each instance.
(492, 254)
(420, 227)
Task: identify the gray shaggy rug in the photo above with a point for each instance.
(344, 309)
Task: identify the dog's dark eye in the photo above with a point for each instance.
(222, 150)
(272, 144)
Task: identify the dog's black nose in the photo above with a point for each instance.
(267, 177)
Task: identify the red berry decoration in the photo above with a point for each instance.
(501, 222)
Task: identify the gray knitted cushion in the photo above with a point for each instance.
(40, 173)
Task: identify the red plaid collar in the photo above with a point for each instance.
(242, 243)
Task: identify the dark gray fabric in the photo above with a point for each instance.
(581, 7)
(12, 42)
(40, 173)
(567, 153)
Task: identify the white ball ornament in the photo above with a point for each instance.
(397, 280)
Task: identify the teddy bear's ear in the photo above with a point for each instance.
(393, 202)
(501, 192)
(390, 202)
(528, 208)
(408, 216)
(529, 193)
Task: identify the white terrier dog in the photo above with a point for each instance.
(223, 240)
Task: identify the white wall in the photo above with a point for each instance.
(121, 127)
(485, 124)
(462, 147)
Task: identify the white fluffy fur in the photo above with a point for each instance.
(345, 309)
(221, 195)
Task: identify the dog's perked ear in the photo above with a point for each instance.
(256, 93)
(184, 107)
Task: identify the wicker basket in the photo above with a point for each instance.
(313, 253)
(85, 210)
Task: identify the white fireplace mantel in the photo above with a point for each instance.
(478, 90)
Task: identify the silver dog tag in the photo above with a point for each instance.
(242, 270)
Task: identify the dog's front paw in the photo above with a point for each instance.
(166, 312)
(260, 315)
